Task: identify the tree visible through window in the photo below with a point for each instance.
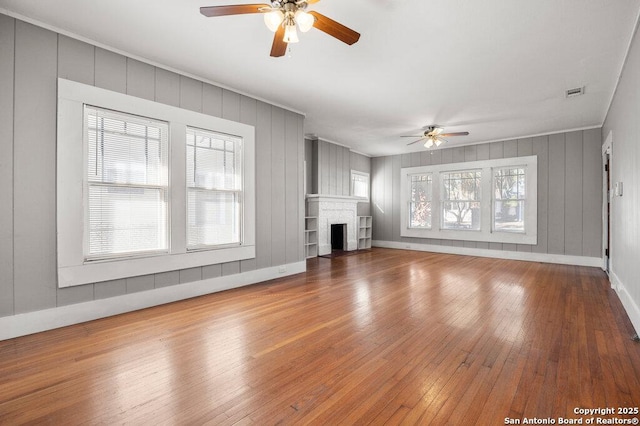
(461, 200)
(491, 200)
(420, 197)
(509, 199)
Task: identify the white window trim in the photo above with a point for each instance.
(486, 232)
(363, 174)
(72, 268)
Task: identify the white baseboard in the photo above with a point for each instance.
(630, 306)
(562, 259)
(48, 319)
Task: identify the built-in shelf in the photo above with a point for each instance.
(364, 232)
(310, 236)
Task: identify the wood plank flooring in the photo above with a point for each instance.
(382, 337)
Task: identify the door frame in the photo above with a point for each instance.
(607, 160)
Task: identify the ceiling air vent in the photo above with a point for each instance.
(575, 92)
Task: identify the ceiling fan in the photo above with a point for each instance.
(434, 136)
(281, 17)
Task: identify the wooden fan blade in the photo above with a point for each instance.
(412, 136)
(454, 134)
(334, 29)
(279, 47)
(311, 1)
(419, 140)
(238, 9)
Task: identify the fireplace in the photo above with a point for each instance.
(334, 210)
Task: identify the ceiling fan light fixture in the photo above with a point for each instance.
(437, 141)
(273, 19)
(428, 143)
(290, 33)
(305, 20)
(280, 16)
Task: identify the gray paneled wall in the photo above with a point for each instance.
(622, 124)
(31, 59)
(7, 32)
(334, 169)
(311, 185)
(329, 170)
(569, 191)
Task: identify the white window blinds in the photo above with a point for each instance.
(214, 189)
(127, 184)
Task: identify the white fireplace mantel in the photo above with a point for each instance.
(330, 210)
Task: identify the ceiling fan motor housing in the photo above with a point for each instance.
(432, 129)
(289, 4)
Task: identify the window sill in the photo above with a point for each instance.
(116, 269)
(493, 237)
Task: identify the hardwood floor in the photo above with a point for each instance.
(382, 337)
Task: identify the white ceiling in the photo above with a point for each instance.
(496, 68)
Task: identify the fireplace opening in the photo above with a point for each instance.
(338, 236)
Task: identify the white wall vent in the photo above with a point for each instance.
(575, 92)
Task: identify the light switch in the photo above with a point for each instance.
(617, 189)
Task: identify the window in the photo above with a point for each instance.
(214, 189)
(461, 200)
(144, 187)
(127, 184)
(487, 200)
(360, 184)
(420, 193)
(509, 186)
